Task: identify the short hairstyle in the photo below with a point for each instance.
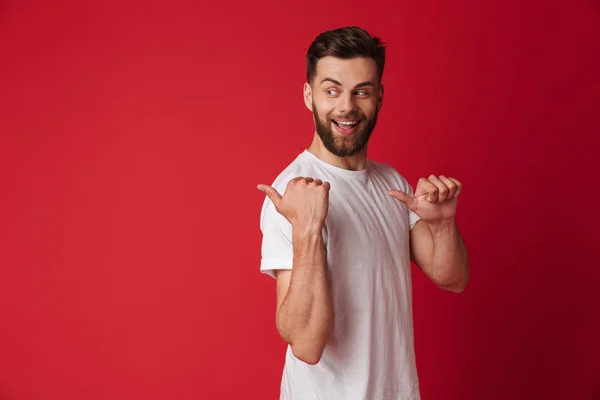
(346, 43)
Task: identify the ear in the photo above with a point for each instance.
(380, 97)
(308, 96)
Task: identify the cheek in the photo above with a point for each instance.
(369, 109)
(323, 109)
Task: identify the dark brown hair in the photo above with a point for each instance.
(348, 42)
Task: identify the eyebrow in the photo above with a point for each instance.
(360, 85)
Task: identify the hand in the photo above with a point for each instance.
(434, 200)
(304, 204)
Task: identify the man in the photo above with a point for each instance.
(339, 231)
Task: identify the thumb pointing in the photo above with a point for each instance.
(403, 197)
(271, 193)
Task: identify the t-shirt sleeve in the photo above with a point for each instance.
(412, 217)
(276, 251)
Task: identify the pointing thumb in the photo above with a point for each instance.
(270, 192)
(403, 197)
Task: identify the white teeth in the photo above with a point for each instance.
(347, 123)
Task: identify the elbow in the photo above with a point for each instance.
(308, 346)
(455, 288)
(453, 285)
(310, 354)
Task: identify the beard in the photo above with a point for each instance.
(344, 146)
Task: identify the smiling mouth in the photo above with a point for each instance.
(346, 124)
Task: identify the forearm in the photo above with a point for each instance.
(305, 317)
(450, 263)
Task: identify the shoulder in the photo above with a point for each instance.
(304, 165)
(300, 166)
(389, 173)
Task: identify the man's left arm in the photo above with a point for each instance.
(440, 252)
(436, 245)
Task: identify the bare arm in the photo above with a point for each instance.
(440, 252)
(435, 243)
(304, 306)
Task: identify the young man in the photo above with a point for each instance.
(339, 231)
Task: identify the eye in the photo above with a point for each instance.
(362, 93)
(332, 92)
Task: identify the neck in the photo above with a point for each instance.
(356, 162)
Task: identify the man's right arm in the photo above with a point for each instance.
(304, 306)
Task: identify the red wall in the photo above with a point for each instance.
(132, 136)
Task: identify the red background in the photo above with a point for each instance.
(133, 135)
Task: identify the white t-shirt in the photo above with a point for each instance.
(370, 355)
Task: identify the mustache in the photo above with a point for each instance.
(349, 116)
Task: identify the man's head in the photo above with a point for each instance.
(344, 91)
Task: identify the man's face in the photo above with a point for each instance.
(345, 97)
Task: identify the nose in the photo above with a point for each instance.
(346, 103)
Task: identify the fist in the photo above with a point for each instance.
(304, 204)
(434, 200)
